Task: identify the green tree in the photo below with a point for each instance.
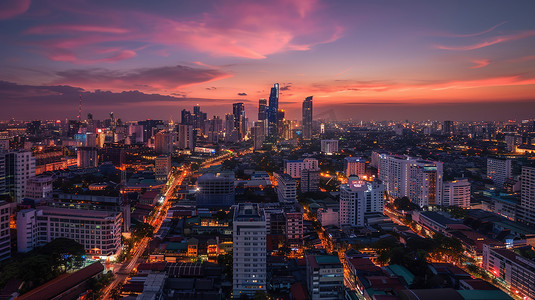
(142, 230)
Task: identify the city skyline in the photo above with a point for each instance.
(359, 60)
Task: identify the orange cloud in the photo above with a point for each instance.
(480, 63)
(489, 42)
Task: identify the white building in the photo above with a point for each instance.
(20, 166)
(185, 137)
(527, 195)
(456, 193)
(5, 235)
(517, 271)
(355, 166)
(418, 179)
(98, 231)
(286, 188)
(249, 250)
(358, 197)
(498, 170)
(329, 147)
(162, 167)
(39, 187)
(294, 167)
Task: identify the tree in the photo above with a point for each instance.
(142, 230)
(404, 203)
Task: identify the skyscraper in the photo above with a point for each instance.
(273, 110)
(262, 109)
(307, 118)
(238, 110)
(527, 195)
(358, 197)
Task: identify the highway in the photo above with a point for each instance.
(124, 270)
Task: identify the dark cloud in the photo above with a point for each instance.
(145, 79)
(242, 94)
(285, 86)
(213, 88)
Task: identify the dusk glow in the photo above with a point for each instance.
(152, 59)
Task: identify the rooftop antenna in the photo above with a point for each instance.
(80, 110)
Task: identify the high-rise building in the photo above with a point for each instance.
(310, 180)
(20, 167)
(456, 193)
(5, 234)
(186, 118)
(448, 128)
(249, 250)
(295, 167)
(404, 176)
(163, 143)
(359, 197)
(259, 134)
(286, 188)
(238, 110)
(498, 170)
(162, 167)
(185, 137)
(325, 277)
(262, 109)
(354, 166)
(527, 195)
(87, 157)
(329, 147)
(216, 190)
(98, 231)
(273, 110)
(287, 130)
(307, 118)
(294, 226)
(213, 129)
(3, 189)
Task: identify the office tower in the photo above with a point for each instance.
(262, 109)
(448, 128)
(238, 111)
(39, 187)
(307, 118)
(273, 110)
(87, 157)
(280, 122)
(98, 231)
(329, 147)
(527, 195)
(186, 118)
(20, 166)
(149, 127)
(418, 179)
(325, 277)
(456, 193)
(287, 130)
(162, 142)
(514, 268)
(216, 190)
(5, 234)
(354, 166)
(286, 188)
(185, 137)
(162, 167)
(359, 197)
(259, 134)
(294, 226)
(249, 250)
(498, 170)
(213, 129)
(294, 167)
(310, 180)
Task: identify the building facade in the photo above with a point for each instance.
(307, 118)
(498, 170)
(358, 197)
(329, 147)
(355, 166)
(162, 167)
(527, 195)
(39, 187)
(295, 167)
(19, 168)
(286, 188)
(325, 277)
(310, 180)
(249, 250)
(456, 193)
(5, 233)
(216, 190)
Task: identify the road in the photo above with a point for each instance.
(124, 270)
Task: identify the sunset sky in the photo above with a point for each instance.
(416, 60)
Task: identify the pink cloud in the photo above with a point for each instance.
(473, 34)
(489, 42)
(480, 63)
(247, 29)
(524, 58)
(13, 8)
